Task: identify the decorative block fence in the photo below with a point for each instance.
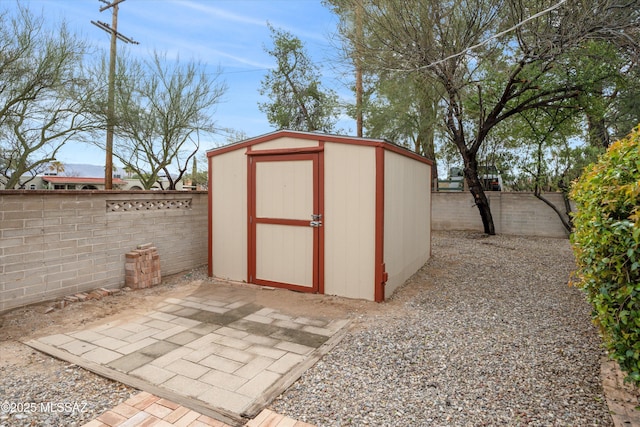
(59, 243)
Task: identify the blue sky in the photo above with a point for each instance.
(230, 34)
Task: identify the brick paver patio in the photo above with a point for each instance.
(145, 409)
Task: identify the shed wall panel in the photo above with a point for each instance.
(284, 142)
(229, 215)
(349, 222)
(407, 229)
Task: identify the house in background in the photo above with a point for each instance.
(84, 177)
(77, 183)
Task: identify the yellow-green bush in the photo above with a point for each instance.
(606, 244)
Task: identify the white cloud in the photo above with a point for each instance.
(222, 14)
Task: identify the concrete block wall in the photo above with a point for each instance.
(513, 213)
(59, 243)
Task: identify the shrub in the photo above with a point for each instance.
(605, 242)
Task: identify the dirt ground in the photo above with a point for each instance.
(34, 321)
(38, 320)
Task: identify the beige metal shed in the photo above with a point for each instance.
(319, 213)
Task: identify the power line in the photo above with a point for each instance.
(493, 37)
(113, 30)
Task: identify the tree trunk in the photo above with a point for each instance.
(476, 189)
(565, 223)
(424, 145)
(469, 157)
(564, 188)
(597, 132)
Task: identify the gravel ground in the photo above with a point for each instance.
(488, 333)
(55, 393)
(39, 390)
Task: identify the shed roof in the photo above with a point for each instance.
(318, 136)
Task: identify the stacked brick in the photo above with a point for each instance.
(142, 267)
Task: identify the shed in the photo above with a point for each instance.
(319, 213)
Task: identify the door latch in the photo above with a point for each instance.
(316, 220)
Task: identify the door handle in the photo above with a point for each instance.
(315, 220)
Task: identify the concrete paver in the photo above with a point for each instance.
(86, 335)
(257, 385)
(217, 354)
(134, 346)
(130, 362)
(78, 347)
(221, 398)
(285, 363)
(224, 380)
(101, 355)
(254, 367)
(111, 343)
(188, 369)
(216, 362)
(153, 373)
(57, 340)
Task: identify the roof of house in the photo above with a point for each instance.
(79, 180)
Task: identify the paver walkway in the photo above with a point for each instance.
(621, 397)
(145, 409)
(218, 353)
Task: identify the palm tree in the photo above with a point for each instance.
(129, 171)
(56, 166)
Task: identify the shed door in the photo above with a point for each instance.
(285, 221)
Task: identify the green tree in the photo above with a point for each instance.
(599, 104)
(56, 167)
(625, 111)
(162, 106)
(404, 110)
(42, 93)
(394, 106)
(494, 60)
(542, 132)
(297, 100)
(198, 178)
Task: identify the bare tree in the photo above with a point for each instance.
(42, 94)
(162, 106)
(494, 59)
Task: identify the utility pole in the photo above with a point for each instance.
(113, 30)
(358, 66)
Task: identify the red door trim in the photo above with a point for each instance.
(283, 221)
(320, 208)
(210, 219)
(380, 274)
(251, 209)
(317, 158)
(276, 151)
